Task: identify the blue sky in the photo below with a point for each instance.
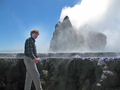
(19, 17)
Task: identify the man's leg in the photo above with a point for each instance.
(36, 78)
(28, 81)
(32, 69)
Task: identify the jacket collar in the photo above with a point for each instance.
(33, 39)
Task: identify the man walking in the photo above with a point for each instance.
(30, 60)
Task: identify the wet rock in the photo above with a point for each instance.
(86, 85)
(106, 75)
(73, 73)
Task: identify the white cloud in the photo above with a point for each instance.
(86, 11)
(102, 15)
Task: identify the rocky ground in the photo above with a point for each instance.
(73, 73)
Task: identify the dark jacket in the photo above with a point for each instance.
(30, 48)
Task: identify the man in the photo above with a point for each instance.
(30, 60)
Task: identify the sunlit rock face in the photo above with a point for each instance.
(66, 38)
(93, 41)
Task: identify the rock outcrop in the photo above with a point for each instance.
(66, 38)
(93, 41)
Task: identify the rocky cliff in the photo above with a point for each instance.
(65, 73)
(66, 38)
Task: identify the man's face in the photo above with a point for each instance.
(34, 35)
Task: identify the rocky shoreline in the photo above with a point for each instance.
(64, 73)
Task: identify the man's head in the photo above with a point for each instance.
(34, 33)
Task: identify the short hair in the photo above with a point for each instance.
(34, 31)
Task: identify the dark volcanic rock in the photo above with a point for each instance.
(70, 73)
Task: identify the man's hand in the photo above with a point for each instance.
(35, 60)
